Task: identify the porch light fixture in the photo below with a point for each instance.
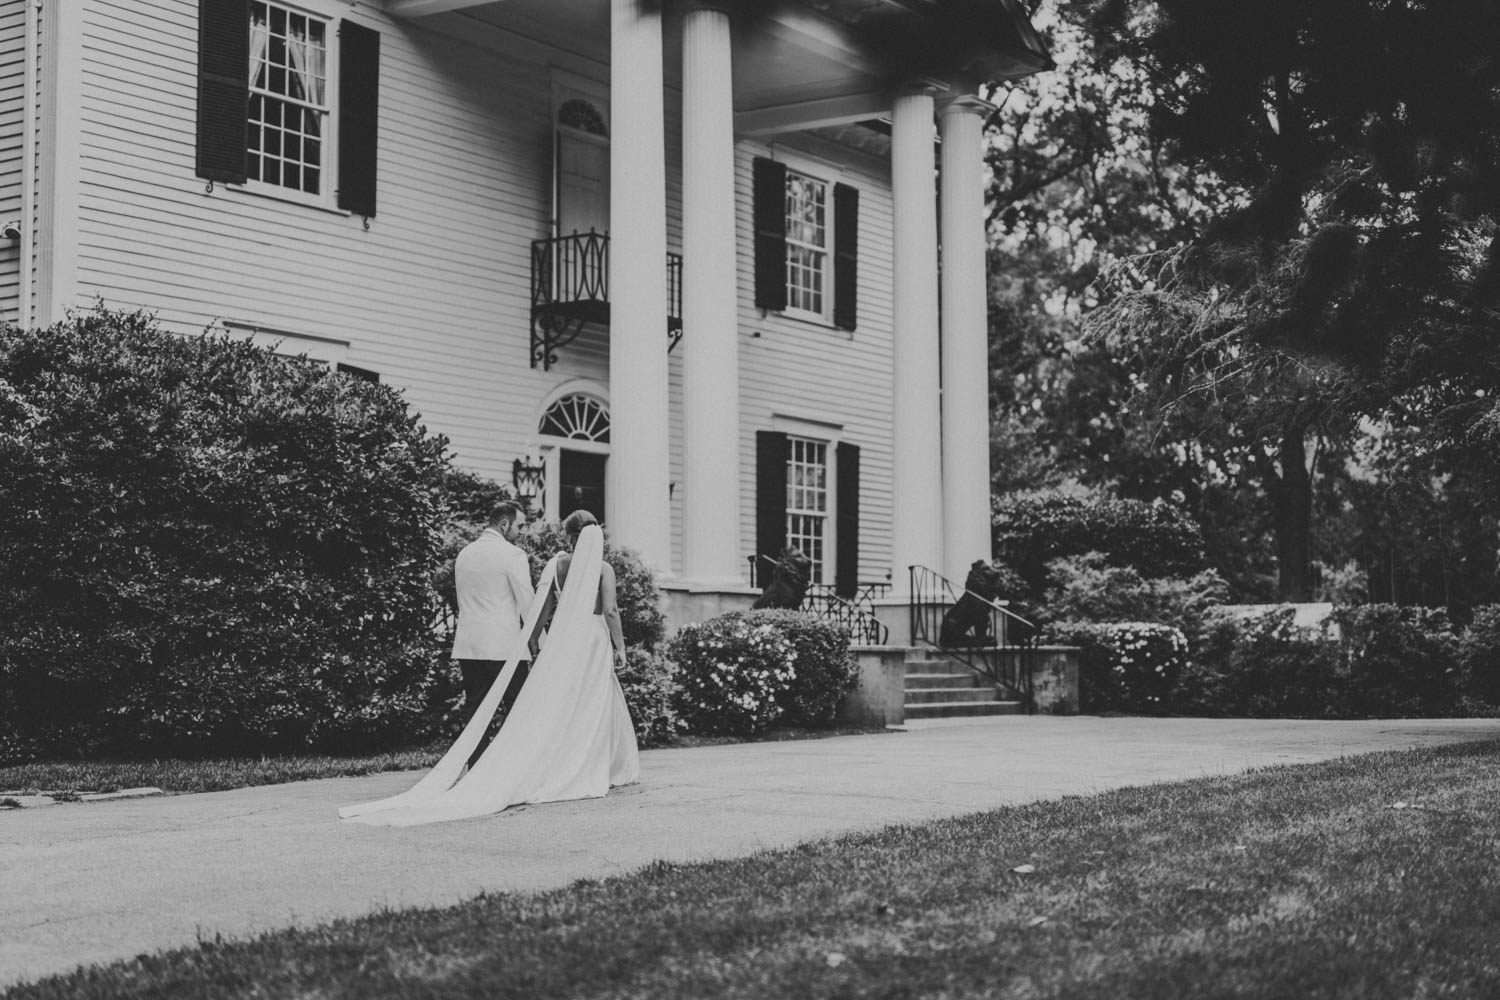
(528, 475)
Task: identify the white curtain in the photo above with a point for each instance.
(307, 60)
(260, 35)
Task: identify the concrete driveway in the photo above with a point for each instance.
(94, 882)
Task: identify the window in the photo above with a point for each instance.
(794, 477)
(578, 417)
(807, 499)
(806, 242)
(288, 103)
(289, 111)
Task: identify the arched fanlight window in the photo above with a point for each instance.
(580, 114)
(579, 417)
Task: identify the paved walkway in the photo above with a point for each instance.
(100, 881)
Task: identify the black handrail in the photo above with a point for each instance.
(1004, 651)
(857, 617)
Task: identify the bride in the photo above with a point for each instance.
(568, 735)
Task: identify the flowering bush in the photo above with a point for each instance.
(649, 681)
(731, 670)
(826, 670)
(1127, 666)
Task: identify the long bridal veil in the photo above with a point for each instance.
(568, 734)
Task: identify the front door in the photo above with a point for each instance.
(581, 483)
(582, 183)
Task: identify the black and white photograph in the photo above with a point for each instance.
(775, 499)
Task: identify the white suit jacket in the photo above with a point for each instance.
(493, 580)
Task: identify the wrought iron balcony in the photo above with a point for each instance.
(570, 290)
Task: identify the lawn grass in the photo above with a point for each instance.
(67, 779)
(1369, 877)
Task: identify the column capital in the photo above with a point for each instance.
(967, 104)
(922, 86)
(719, 6)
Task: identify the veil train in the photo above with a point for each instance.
(568, 734)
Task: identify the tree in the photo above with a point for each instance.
(1079, 179)
(1364, 259)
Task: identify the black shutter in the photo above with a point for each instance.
(845, 256)
(223, 89)
(770, 235)
(770, 497)
(846, 559)
(359, 116)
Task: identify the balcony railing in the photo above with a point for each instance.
(570, 290)
(855, 613)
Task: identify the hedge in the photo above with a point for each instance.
(1158, 540)
(207, 545)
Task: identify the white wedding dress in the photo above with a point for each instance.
(568, 734)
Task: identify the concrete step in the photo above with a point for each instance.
(951, 709)
(931, 666)
(929, 696)
(963, 680)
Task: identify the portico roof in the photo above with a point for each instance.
(797, 63)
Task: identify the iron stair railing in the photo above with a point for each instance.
(1005, 651)
(570, 290)
(856, 616)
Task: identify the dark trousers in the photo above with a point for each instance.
(479, 676)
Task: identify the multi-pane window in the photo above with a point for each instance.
(288, 98)
(807, 499)
(806, 242)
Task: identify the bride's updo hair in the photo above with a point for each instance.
(575, 522)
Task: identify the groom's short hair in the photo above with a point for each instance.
(505, 510)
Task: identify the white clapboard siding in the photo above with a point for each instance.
(435, 294)
(814, 372)
(13, 97)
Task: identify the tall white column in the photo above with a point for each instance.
(710, 363)
(966, 380)
(917, 490)
(639, 510)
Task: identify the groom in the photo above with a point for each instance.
(493, 580)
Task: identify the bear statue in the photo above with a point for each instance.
(790, 576)
(967, 623)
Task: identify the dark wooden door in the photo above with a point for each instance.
(582, 483)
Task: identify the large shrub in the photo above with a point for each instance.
(825, 668)
(1263, 665)
(1400, 660)
(204, 544)
(1479, 655)
(1127, 666)
(1156, 539)
(1086, 588)
(731, 670)
(1365, 661)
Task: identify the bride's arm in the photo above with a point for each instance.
(611, 611)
